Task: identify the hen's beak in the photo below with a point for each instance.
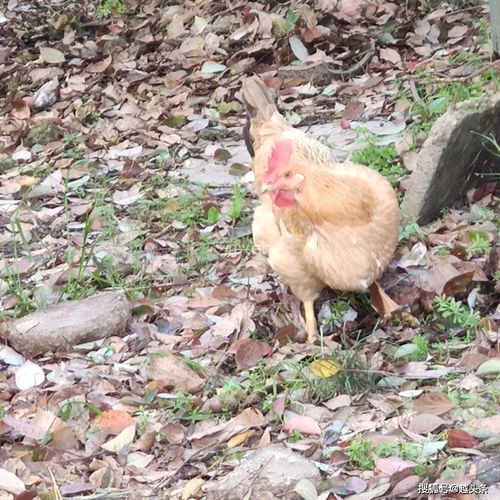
(266, 187)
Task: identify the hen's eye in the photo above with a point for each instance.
(288, 174)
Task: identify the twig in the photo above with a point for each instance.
(355, 67)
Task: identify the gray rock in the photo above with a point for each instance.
(454, 156)
(267, 473)
(60, 327)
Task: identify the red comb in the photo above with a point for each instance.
(280, 155)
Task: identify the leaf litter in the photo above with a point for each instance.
(121, 163)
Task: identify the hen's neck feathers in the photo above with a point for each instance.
(333, 197)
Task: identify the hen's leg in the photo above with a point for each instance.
(311, 328)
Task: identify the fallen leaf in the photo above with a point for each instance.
(51, 55)
(390, 465)
(248, 352)
(487, 424)
(239, 438)
(381, 302)
(424, 423)
(390, 55)
(458, 283)
(298, 48)
(29, 375)
(306, 490)
(121, 440)
(353, 111)
(10, 482)
(192, 488)
(436, 403)
(457, 438)
(324, 368)
(490, 367)
(212, 67)
(113, 421)
(303, 424)
(100, 66)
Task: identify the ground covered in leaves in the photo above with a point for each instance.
(105, 109)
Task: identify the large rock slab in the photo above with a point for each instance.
(454, 156)
(268, 473)
(58, 328)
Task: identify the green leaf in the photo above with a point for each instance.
(405, 350)
(212, 67)
(298, 48)
(391, 381)
(489, 367)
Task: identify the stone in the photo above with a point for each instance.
(454, 156)
(270, 472)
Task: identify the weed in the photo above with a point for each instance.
(423, 348)
(109, 8)
(408, 231)
(453, 465)
(237, 203)
(436, 101)
(295, 436)
(456, 314)
(360, 453)
(383, 159)
(337, 313)
(143, 418)
(186, 408)
(94, 117)
(213, 215)
(479, 243)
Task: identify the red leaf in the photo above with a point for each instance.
(457, 438)
(458, 283)
(311, 34)
(248, 352)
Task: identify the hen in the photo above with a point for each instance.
(321, 223)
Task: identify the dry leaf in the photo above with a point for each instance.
(457, 438)
(436, 403)
(51, 55)
(113, 421)
(303, 424)
(390, 55)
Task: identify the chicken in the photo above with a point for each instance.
(321, 223)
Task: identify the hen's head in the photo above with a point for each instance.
(282, 179)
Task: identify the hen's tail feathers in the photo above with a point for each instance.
(259, 106)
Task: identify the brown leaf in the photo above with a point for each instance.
(487, 424)
(20, 109)
(458, 284)
(248, 352)
(424, 423)
(390, 55)
(390, 465)
(457, 438)
(113, 421)
(436, 403)
(353, 111)
(381, 302)
(100, 66)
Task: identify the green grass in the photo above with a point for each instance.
(454, 314)
(383, 159)
(109, 8)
